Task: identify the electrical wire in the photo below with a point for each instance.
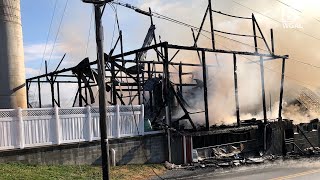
(157, 15)
(47, 41)
(48, 35)
(58, 31)
(114, 25)
(289, 6)
(130, 96)
(295, 9)
(86, 50)
(309, 35)
(89, 34)
(270, 69)
(291, 59)
(160, 16)
(239, 17)
(198, 29)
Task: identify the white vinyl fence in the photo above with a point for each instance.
(20, 128)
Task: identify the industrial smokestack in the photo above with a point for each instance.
(12, 70)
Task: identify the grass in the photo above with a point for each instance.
(127, 172)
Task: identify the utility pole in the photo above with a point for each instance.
(101, 84)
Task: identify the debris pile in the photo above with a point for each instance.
(227, 156)
(222, 157)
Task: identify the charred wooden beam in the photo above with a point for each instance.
(190, 48)
(52, 91)
(272, 41)
(211, 24)
(236, 89)
(254, 33)
(281, 88)
(263, 94)
(205, 90)
(39, 93)
(180, 78)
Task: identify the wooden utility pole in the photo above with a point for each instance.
(101, 84)
(102, 93)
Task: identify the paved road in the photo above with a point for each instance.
(307, 169)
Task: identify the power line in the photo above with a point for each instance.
(157, 15)
(239, 17)
(198, 29)
(275, 20)
(48, 35)
(47, 40)
(305, 63)
(58, 31)
(295, 9)
(90, 27)
(114, 25)
(160, 16)
(309, 64)
(289, 6)
(130, 93)
(270, 69)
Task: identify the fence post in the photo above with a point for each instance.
(142, 120)
(21, 128)
(57, 125)
(118, 121)
(89, 124)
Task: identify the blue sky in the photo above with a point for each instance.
(73, 32)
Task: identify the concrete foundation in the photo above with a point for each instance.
(12, 70)
(136, 150)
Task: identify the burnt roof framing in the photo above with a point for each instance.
(164, 60)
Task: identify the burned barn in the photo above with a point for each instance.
(151, 76)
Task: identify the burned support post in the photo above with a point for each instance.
(154, 35)
(180, 77)
(201, 26)
(27, 91)
(86, 94)
(281, 88)
(143, 90)
(205, 89)
(262, 36)
(52, 91)
(113, 82)
(39, 93)
(138, 79)
(263, 91)
(166, 96)
(150, 92)
(254, 33)
(121, 47)
(195, 43)
(80, 91)
(58, 93)
(236, 88)
(211, 24)
(272, 41)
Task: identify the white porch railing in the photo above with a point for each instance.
(20, 128)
